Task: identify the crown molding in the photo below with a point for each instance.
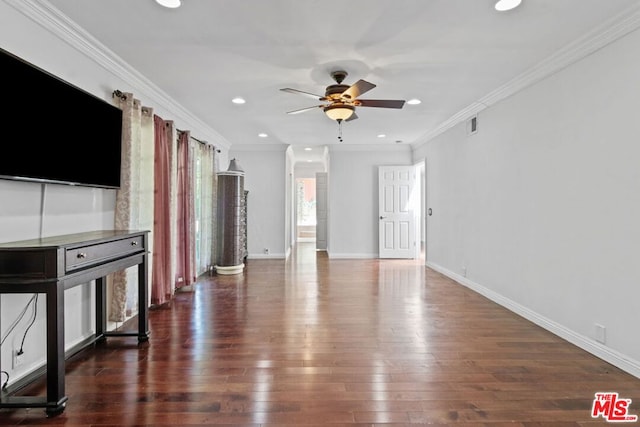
(50, 18)
(259, 147)
(369, 147)
(604, 34)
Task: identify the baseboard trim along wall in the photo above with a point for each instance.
(350, 256)
(603, 352)
(267, 256)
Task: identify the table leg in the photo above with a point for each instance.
(56, 399)
(101, 307)
(143, 306)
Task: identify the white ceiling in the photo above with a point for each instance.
(457, 56)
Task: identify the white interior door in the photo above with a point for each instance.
(321, 210)
(396, 213)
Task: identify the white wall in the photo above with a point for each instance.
(265, 179)
(542, 205)
(32, 210)
(353, 197)
(308, 170)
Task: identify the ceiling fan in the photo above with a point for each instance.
(342, 100)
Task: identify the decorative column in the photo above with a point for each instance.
(229, 227)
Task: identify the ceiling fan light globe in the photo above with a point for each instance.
(339, 112)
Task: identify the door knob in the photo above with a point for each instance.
(382, 217)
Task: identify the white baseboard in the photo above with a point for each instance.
(350, 256)
(266, 256)
(605, 353)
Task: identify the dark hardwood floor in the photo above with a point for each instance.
(312, 342)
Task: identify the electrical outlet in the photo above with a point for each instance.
(18, 358)
(464, 271)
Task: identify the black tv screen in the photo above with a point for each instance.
(54, 132)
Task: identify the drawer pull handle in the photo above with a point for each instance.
(81, 255)
(134, 243)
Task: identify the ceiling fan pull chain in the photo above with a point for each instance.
(339, 130)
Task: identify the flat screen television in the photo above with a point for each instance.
(54, 132)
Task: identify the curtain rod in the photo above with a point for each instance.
(199, 140)
(119, 94)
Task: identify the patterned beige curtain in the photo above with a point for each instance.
(204, 155)
(214, 213)
(134, 199)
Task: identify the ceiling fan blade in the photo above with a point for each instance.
(353, 117)
(302, 110)
(382, 103)
(357, 89)
(300, 92)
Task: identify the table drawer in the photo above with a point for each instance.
(86, 256)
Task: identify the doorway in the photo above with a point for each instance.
(306, 209)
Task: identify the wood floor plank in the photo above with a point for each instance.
(316, 342)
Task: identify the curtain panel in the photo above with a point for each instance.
(134, 199)
(186, 233)
(204, 158)
(162, 288)
(166, 175)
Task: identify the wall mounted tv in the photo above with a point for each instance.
(54, 132)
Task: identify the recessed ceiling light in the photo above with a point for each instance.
(504, 5)
(172, 4)
(382, 135)
(307, 149)
(309, 161)
(238, 100)
(414, 101)
(263, 135)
